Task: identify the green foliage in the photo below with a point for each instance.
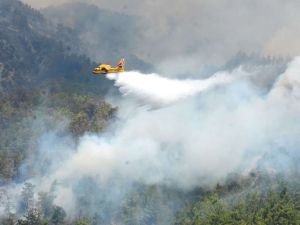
(45, 213)
(253, 209)
(58, 215)
(211, 210)
(80, 123)
(83, 221)
(46, 203)
(9, 219)
(34, 52)
(37, 112)
(150, 205)
(27, 198)
(279, 209)
(33, 217)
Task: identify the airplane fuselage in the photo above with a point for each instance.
(106, 68)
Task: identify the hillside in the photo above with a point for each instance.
(101, 34)
(32, 55)
(220, 146)
(41, 80)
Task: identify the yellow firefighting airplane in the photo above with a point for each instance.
(106, 68)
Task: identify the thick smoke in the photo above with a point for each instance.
(201, 131)
(204, 136)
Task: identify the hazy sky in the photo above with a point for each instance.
(211, 29)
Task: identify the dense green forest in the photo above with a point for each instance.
(230, 204)
(45, 86)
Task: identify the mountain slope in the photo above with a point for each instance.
(42, 86)
(31, 54)
(102, 34)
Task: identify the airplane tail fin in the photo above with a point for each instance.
(121, 63)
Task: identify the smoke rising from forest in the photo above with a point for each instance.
(200, 141)
(193, 133)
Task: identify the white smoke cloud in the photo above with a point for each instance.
(196, 142)
(207, 129)
(204, 136)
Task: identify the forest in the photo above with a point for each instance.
(48, 97)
